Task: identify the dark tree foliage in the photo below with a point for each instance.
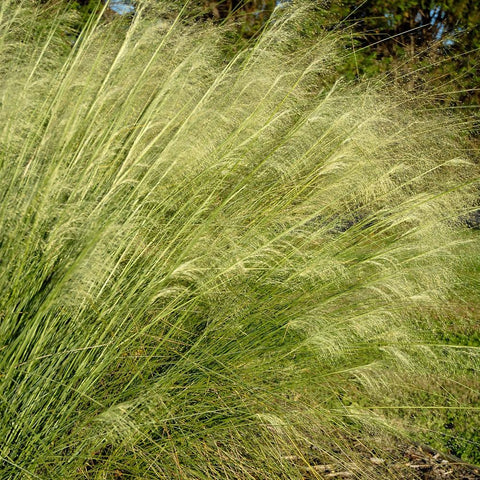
(223, 8)
(439, 38)
(411, 24)
(250, 15)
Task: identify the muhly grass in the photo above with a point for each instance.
(202, 258)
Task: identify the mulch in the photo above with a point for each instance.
(409, 462)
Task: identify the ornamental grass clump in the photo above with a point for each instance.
(204, 258)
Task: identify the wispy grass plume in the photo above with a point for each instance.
(200, 256)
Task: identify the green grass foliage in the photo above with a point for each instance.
(201, 259)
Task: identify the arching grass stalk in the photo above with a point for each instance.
(199, 270)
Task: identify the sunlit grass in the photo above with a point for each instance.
(201, 259)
